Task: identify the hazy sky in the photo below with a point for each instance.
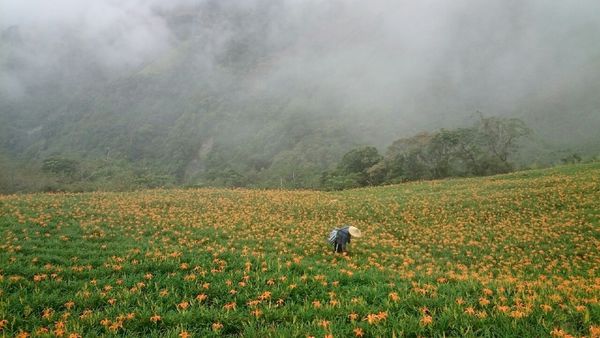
(401, 57)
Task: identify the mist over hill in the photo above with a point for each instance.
(272, 93)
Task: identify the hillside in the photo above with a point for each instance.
(508, 255)
(264, 94)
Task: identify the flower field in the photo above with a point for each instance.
(512, 255)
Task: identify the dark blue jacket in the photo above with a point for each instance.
(342, 239)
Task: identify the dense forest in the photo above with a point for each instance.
(288, 95)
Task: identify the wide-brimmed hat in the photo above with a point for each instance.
(354, 231)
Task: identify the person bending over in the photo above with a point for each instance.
(340, 238)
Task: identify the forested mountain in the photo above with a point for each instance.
(273, 93)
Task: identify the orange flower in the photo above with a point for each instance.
(253, 302)
(217, 326)
(265, 295)
(372, 318)
(503, 308)
(155, 318)
(324, 323)
(481, 314)
(85, 314)
(41, 331)
(426, 320)
(115, 326)
(39, 278)
(184, 334)
(59, 331)
(358, 332)
(201, 297)
(558, 333)
(394, 296)
(517, 314)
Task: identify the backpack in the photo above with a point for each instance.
(332, 236)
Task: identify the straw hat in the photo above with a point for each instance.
(354, 231)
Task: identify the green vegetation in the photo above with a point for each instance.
(512, 255)
(490, 146)
(483, 149)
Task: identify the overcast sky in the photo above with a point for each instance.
(370, 55)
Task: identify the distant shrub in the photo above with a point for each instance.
(58, 165)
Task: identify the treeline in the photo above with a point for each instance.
(485, 148)
(489, 146)
(58, 174)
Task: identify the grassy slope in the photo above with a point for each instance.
(511, 255)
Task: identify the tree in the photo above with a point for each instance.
(483, 149)
(501, 135)
(442, 149)
(407, 159)
(58, 165)
(359, 160)
(356, 169)
(334, 180)
(469, 150)
(573, 158)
